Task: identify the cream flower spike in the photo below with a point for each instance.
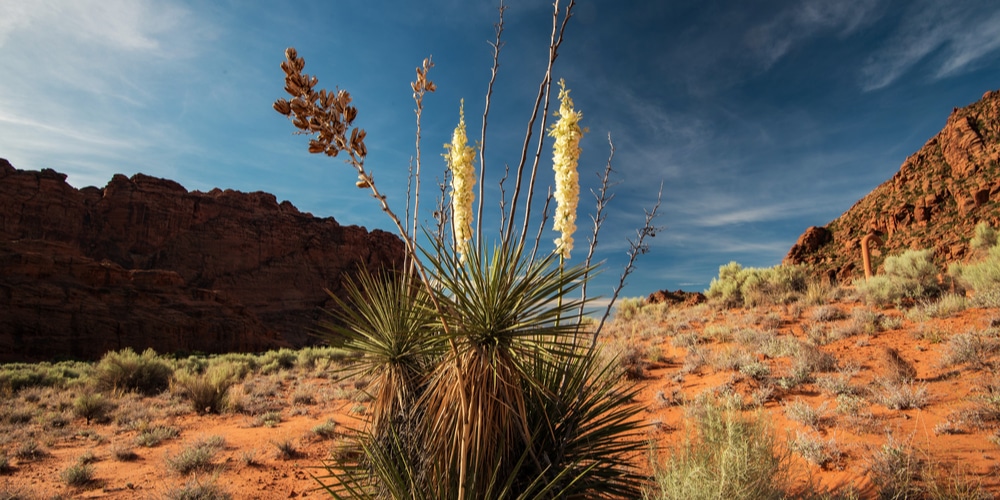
(566, 154)
(461, 158)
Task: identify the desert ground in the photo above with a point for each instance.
(863, 401)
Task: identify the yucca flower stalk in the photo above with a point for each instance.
(565, 156)
(461, 160)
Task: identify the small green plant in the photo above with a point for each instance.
(92, 407)
(78, 475)
(197, 456)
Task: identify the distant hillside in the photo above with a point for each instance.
(935, 200)
(145, 263)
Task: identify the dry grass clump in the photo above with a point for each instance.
(725, 455)
(206, 391)
(812, 447)
(197, 456)
(197, 490)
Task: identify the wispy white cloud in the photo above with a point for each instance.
(81, 76)
(943, 35)
(770, 41)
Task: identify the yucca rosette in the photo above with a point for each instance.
(566, 154)
(461, 158)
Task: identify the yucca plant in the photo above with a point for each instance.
(484, 382)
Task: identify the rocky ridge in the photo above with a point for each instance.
(145, 263)
(934, 201)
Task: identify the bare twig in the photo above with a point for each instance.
(442, 214)
(541, 225)
(503, 195)
(637, 247)
(497, 45)
(603, 197)
(543, 92)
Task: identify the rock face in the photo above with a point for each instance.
(935, 200)
(146, 263)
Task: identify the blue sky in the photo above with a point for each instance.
(760, 118)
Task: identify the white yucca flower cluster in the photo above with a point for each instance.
(461, 158)
(566, 153)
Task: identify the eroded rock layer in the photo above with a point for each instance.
(146, 263)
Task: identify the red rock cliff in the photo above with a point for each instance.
(146, 263)
(934, 201)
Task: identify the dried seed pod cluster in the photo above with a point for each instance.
(326, 114)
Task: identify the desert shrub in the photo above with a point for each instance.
(196, 490)
(969, 348)
(125, 370)
(286, 449)
(725, 455)
(79, 474)
(93, 407)
(895, 470)
(29, 450)
(206, 391)
(738, 286)
(197, 456)
(982, 276)
(946, 306)
(4, 462)
(800, 411)
(326, 430)
(17, 376)
(828, 313)
(984, 237)
(633, 362)
(628, 308)
(281, 359)
(124, 453)
(910, 275)
(813, 448)
(155, 435)
(902, 395)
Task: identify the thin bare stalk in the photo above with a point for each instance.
(553, 54)
(420, 87)
(543, 92)
(503, 195)
(637, 247)
(497, 45)
(443, 212)
(604, 197)
(541, 225)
